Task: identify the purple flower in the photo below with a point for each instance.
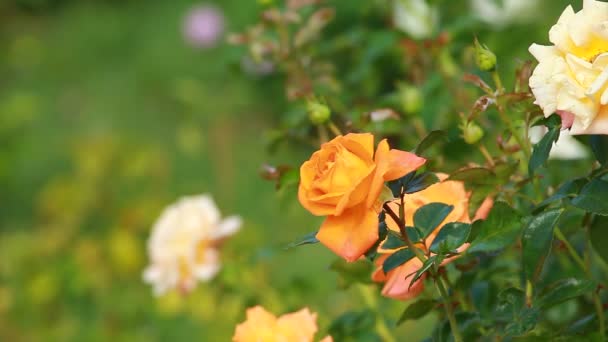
(203, 26)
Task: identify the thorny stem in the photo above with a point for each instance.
(486, 155)
(438, 281)
(322, 134)
(404, 235)
(448, 308)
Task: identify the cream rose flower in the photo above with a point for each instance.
(505, 12)
(183, 247)
(572, 75)
(416, 18)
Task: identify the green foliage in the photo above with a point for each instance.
(498, 231)
(563, 290)
(593, 197)
(397, 259)
(412, 182)
(536, 241)
(354, 326)
(431, 139)
(417, 310)
(599, 237)
(543, 148)
(450, 237)
(599, 145)
(428, 217)
(310, 238)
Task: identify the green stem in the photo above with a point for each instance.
(333, 128)
(573, 253)
(448, 308)
(419, 254)
(497, 82)
(369, 296)
(597, 301)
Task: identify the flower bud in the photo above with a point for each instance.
(411, 98)
(484, 58)
(318, 113)
(471, 132)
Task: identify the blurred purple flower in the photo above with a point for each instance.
(203, 26)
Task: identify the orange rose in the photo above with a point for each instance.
(449, 192)
(343, 181)
(261, 325)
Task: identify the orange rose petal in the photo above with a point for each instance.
(382, 162)
(399, 279)
(484, 209)
(351, 234)
(314, 207)
(298, 326)
(365, 140)
(378, 275)
(400, 163)
(356, 195)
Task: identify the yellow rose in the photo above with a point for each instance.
(571, 78)
(262, 325)
(449, 192)
(343, 181)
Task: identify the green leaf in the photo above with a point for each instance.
(397, 259)
(417, 310)
(536, 241)
(412, 182)
(599, 146)
(428, 263)
(393, 241)
(450, 237)
(568, 189)
(593, 197)
(430, 140)
(352, 272)
(511, 309)
(474, 176)
(564, 290)
(542, 149)
(499, 230)
(420, 182)
(307, 239)
(430, 216)
(599, 236)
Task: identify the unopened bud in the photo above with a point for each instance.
(471, 132)
(318, 113)
(484, 58)
(411, 98)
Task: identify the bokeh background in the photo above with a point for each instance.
(107, 115)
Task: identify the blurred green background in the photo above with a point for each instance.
(106, 117)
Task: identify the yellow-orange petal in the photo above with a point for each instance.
(399, 279)
(378, 275)
(351, 234)
(315, 208)
(258, 326)
(297, 326)
(484, 209)
(365, 140)
(400, 163)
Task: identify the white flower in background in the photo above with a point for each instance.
(566, 147)
(183, 246)
(500, 13)
(416, 18)
(571, 78)
(203, 26)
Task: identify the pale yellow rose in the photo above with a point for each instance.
(572, 75)
(263, 326)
